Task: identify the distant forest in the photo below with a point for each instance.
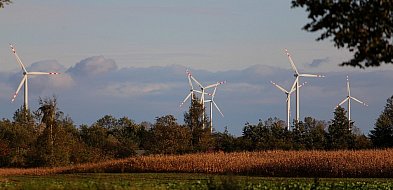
(47, 137)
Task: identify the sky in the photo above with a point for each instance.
(128, 58)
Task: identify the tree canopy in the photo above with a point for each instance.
(4, 2)
(364, 27)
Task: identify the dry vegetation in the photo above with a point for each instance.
(367, 163)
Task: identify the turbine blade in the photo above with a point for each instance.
(19, 87)
(189, 79)
(279, 87)
(342, 102)
(216, 84)
(17, 58)
(311, 75)
(214, 92)
(304, 83)
(218, 108)
(358, 101)
(185, 99)
(291, 61)
(190, 76)
(197, 82)
(293, 88)
(42, 73)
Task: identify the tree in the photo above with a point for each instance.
(225, 141)
(202, 138)
(382, 134)
(309, 134)
(267, 135)
(4, 2)
(340, 136)
(363, 26)
(168, 137)
(54, 146)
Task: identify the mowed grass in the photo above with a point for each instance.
(322, 164)
(182, 181)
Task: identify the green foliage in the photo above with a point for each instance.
(16, 139)
(340, 135)
(168, 137)
(382, 134)
(225, 141)
(55, 144)
(364, 27)
(271, 134)
(185, 181)
(196, 120)
(309, 135)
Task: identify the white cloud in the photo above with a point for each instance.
(133, 89)
(93, 66)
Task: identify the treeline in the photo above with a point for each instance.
(47, 137)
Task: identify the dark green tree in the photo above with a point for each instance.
(382, 134)
(225, 141)
(267, 135)
(168, 137)
(130, 136)
(202, 139)
(340, 135)
(309, 134)
(363, 26)
(16, 140)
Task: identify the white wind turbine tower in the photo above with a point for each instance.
(211, 101)
(348, 98)
(288, 100)
(296, 83)
(26, 75)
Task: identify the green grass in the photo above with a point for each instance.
(183, 181)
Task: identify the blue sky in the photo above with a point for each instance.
(128, 58)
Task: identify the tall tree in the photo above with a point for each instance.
(382, 134)
(364, 27)
(54, 145)
(340, 136)
(202, 138)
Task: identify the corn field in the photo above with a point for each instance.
(332, 164)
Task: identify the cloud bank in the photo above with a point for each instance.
(96, 86)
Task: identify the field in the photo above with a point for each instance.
(182, 181)
(322, 164)
(272, 169)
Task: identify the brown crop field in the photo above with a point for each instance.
(332, 164)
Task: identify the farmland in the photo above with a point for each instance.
(321, 164)
(183, 181)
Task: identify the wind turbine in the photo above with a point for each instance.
(26, 75)
(288, 93)
(211, 101)
(201, 92)
(296, 83)
(348, 98)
